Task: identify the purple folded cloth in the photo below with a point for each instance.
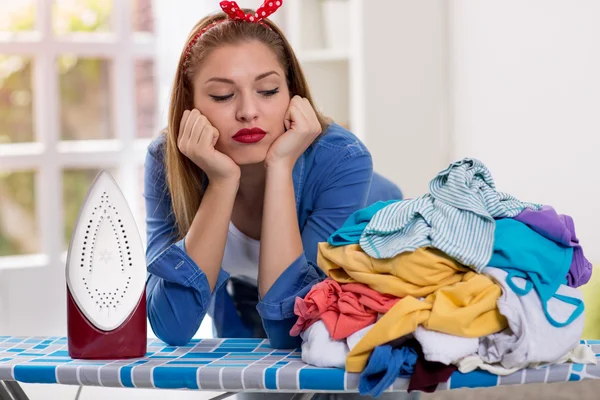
(560, 229)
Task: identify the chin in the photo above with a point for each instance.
(249, 157)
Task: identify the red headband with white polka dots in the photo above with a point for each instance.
(234, 12)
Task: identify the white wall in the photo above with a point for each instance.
(405, 67)
(513, 83)
(526, 100)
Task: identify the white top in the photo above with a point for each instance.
(240, 259)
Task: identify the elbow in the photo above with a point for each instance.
(175, 339)
(171, 329)
(172, 337)
(172, 320)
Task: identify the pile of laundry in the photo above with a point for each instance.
(463, 277)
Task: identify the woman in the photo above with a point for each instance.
(243, 184)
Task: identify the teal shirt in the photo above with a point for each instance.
(354, 226)
(543, 263)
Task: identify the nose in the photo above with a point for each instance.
(247, 110)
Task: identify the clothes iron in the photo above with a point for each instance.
(106, 275)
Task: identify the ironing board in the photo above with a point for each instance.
(228, 365)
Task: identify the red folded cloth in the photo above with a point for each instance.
(320, 300)
(344, 309)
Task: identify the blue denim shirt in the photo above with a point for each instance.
(332, 179)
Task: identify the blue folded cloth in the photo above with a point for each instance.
(385, 365)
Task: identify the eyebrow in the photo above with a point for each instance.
(229, 81)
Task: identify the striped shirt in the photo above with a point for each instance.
(456, 217)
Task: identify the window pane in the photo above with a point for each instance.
(18, 224)
(145, 98)
(17, 16)
(142, 16)
(81, 16)
(84, 98)
(76, 183)
(16, 103)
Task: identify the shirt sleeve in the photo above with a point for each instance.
(345, 191)
(177, 291)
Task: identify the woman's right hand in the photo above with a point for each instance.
(197, 140)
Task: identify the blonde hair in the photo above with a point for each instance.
(184, 178)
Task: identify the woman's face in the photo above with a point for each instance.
(242, 87)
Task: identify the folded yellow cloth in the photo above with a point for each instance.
(457, 300)
(418, 273)
(399, 321)
(467, 308)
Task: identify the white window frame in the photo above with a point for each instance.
(49, 155)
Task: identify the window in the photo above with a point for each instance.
(77, 95)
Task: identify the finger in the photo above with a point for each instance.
(203, 132)
(185, 135)
(184, 118)
(195, 131)
(303, 110)
(187, 130)
(203, 125)
(306, 102)
(215, 136)
(188, 134)
(292, 117)
(206, 137)
(298, 102)
(310, 110)
(287, 118)
(296, 117)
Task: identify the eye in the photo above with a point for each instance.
(269, 93)
(221, 98)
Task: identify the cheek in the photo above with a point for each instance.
(216, 114)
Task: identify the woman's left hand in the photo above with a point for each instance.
(302, 126)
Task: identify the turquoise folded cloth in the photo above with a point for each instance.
(543, 263)
(356, 223)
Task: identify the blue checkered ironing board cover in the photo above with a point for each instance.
(226, 365)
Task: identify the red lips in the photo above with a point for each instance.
(251, 135)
